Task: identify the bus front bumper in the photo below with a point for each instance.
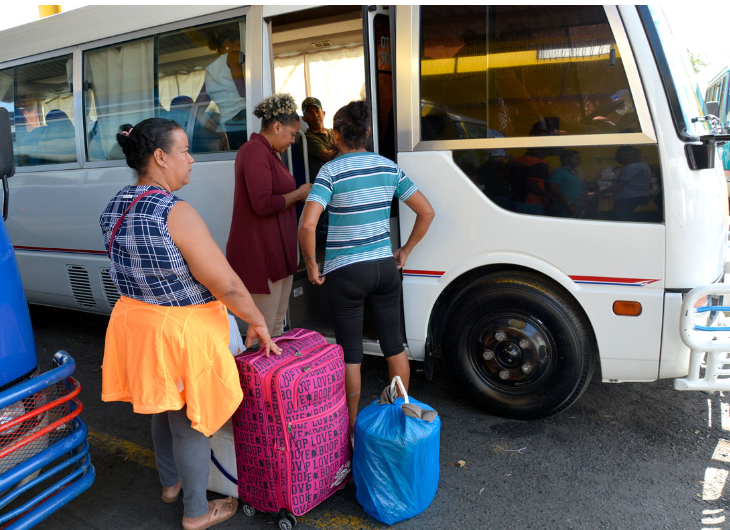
(705, 329)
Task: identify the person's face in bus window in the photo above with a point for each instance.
(574, 161)
(30, 113)
(284, 136)
(178, 161)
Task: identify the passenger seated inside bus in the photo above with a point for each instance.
(58, 143)
(225, 85)
(528, 176)
(630, 189)
(566, 186)
(28, 130)
(180, 109)
(321, 145)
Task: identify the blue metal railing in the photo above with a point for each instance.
(73, 475)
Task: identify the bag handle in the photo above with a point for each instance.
(282, 338)
(293, 337)
(397, 381)
(118, 224)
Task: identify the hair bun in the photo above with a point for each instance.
(275, 105)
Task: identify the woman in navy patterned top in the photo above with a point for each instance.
(166, 347)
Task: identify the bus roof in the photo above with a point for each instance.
(91, 23)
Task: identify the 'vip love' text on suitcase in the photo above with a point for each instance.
(291, 430)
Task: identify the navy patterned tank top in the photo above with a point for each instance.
(146, 264)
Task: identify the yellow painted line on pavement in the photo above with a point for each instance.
(135, 453)
(330, 520)
(318, 519)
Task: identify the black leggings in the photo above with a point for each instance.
(376, 284)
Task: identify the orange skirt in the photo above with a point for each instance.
(162, 358)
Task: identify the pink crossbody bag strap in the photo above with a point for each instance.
(119, 221)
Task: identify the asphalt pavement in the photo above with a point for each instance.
(626, 456)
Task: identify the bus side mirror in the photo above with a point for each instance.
(713, 108)
(7, 160)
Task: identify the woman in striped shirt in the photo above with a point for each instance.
(360, 267)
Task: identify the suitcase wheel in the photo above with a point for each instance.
(248, 509)
(287, 522)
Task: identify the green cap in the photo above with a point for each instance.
(311, 101)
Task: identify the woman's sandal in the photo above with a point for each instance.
(219, 510)
(171, 494)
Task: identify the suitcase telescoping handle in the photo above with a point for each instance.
(258, 353)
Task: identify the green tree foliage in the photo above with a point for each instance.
(698, 61)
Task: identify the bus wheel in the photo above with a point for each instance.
(519, 346)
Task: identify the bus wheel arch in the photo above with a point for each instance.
(517, 341)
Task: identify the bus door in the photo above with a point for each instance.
(328, 53)
(379, 82)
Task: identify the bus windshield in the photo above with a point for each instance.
(687, 102)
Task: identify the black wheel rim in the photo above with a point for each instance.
(512, 352)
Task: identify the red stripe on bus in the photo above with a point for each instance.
(69, 250)
(610, 279)
(430, 273)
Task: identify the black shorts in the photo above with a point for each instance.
(376, 284)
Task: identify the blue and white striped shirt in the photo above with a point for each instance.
(357, 189)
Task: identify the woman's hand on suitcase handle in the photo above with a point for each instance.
(265, 341)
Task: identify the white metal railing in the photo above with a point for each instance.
(709, 365)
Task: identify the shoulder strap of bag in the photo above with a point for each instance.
(119, 221)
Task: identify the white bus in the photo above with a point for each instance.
(576, 201)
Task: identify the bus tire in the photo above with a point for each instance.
(519, 345)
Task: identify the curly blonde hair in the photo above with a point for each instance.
(276, 107)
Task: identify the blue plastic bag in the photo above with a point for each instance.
(396, 458)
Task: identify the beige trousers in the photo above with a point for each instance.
(273, 306)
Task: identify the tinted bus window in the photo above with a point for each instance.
(192, 76)
(39, 97)
(119, 88)
(202, 86)
(512, 71)
(607, 183)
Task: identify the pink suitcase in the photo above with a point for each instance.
(291, 430)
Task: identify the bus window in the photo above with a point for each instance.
(606, 183)
(193, 76)
(515, 71)
(725, 102)
(41, 104)
(7, 99)
(201, 85)
(678, 76)
(119, 89)
(329, 64)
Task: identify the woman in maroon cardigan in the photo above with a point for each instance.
(262, 243)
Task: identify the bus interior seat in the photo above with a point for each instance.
(180, 108)
(58, 143)
(203, 140)
(96, 149)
